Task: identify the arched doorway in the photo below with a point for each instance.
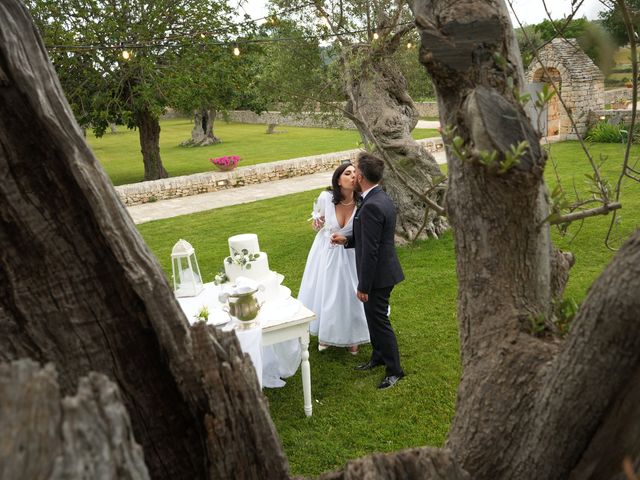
(549, 118)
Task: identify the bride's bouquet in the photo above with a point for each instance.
(317, 217)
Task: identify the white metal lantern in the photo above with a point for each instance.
(187, 281)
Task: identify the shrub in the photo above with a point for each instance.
(604, 132)
(624, 132)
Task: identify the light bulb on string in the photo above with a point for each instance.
(126, 55)
(202, 35)
(409, 45)
(236, 51)
(376, 36)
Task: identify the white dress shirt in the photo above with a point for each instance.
(366, 192)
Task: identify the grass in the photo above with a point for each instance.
(121, 158)
(351, 418)
(622, 56)
(622, 59)
(588, 247)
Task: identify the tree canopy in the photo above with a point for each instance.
(612, 19)
(113, 58)
(591, 36)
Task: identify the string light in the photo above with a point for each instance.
(159, 41)
(170, 42)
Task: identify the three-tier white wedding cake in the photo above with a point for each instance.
(246, 260)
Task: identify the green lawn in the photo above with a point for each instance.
(351, 418)
(120, 153)
(622, 56)
(588, 247)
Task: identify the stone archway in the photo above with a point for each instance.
(549, 121)
(580, 82)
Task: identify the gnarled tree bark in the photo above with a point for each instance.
(87, 435)
(527, 407)
(202, 132)
(379, 104)
(87, 295)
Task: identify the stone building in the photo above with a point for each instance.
(580, 82)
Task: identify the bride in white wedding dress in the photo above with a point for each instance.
(330, 280)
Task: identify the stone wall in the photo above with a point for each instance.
(184, 186)
(427, 109)
(317, 120)
(612, 116)
(170, 114)
(302, 120)
(612, 95)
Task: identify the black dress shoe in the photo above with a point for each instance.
(390, 381)
(367, 366)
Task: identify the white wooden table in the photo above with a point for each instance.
(296, 327)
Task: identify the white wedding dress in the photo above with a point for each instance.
(330, 282)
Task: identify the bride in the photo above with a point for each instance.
(330, 281)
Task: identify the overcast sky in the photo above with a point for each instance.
(528, 11)
(532, 11)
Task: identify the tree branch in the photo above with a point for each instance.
(440, 210)
(572, 217)
(634, 101)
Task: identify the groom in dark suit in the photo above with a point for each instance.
(377, 264)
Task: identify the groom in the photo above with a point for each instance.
(377, 264)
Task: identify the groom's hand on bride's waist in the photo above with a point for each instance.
(363, 297)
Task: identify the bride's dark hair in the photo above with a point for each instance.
(335, 188)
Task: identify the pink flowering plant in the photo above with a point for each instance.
(226, 162)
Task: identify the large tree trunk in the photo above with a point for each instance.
(149, 126)
(380, 105)
(45, 436)
(527, 407)
(202, 132)
(79, 288)
(208, 119)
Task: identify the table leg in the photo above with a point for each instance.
(306, 374)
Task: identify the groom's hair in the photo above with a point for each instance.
(370, 166)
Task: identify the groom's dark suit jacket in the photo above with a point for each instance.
(374, 227)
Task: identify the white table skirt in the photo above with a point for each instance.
(274, 361)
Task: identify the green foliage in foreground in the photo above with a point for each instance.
(351, 418)
(121, 158)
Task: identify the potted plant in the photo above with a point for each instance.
(226, 163)
(202, 315)
(619, 103)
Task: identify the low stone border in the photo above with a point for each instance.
(145, 192)
(612, 116)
